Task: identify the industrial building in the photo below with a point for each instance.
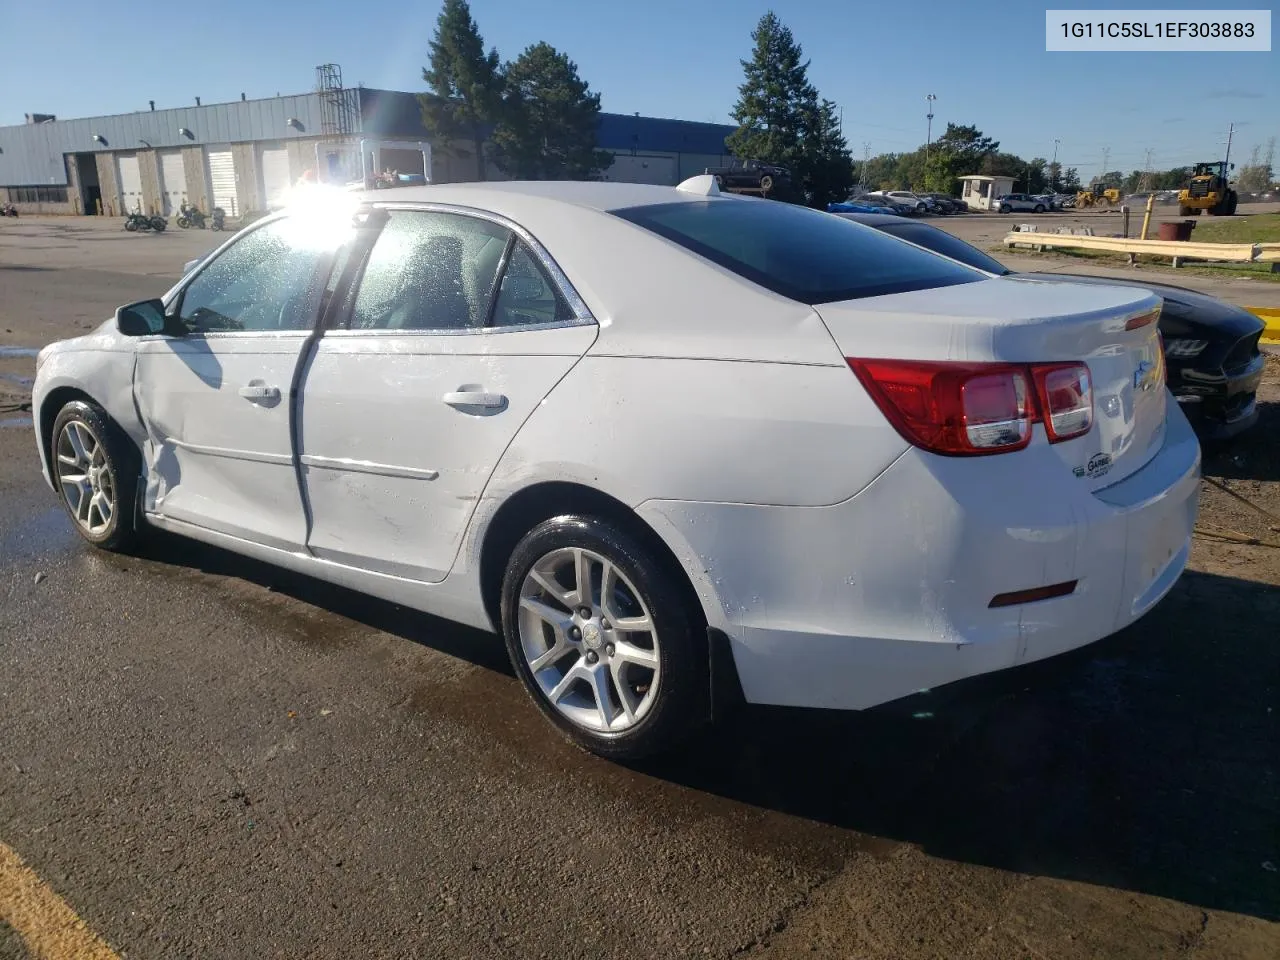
(241, 155)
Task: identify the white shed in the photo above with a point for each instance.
(979, 192)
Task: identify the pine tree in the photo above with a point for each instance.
(550, 119)
(827, 168)
(465, 82)
(775, 100)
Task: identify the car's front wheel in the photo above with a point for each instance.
(602, 635)
(1005, 208)
(1039, 208)
(96, 469)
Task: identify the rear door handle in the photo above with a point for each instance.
(258, 392)
(475, 398)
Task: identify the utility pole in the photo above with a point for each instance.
(1106, 156)
(928, 137)
(1053, 167)
(1227, 161)
(866, 159)
(1145, 182)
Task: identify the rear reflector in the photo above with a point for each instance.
(1142, 320)
(975, 409)
(1031, 596)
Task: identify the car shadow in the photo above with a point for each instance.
(479, 647)
(1145, 762)
(1253, 455)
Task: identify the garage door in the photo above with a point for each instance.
(130, 183)
(275, 175)
(628, 169)
(222, 179)
(173, 181)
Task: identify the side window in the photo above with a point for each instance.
(266, 280)
(526, 295)
(429, 271)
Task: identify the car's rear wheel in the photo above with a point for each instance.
(96, 470)
(1039, 208)
(602, 635)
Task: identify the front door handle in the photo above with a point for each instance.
(258, 392)
(475, 398)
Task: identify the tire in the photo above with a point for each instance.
(1233, 201)
(1184, 211)
(110, 472)
(659, 716)
(1005, 208)
(131, 226)
(766, 183)
(1039, 208)
(158, 224)
(184, 223)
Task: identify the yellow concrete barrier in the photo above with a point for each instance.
(1176, 249)
(1271, 317)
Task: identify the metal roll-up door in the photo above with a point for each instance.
(173, 181)
(130, 184)
(275, 175)
(222, 180)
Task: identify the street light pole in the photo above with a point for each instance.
(928, 137)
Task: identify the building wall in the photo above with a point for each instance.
(248, 191)
(149, 168)
(197, 174)
(109, 184)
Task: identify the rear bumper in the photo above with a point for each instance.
(888, 593)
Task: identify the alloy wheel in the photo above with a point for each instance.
(84, 476)
(589, 640)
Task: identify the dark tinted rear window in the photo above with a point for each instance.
(799, 253)
(944, 243)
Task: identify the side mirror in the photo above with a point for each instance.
(1233, 166)
(142, 319)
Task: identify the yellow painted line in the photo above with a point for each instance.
(50, 929)
(1271, 317)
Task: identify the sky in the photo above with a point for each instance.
(986, 64)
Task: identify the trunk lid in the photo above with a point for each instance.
(1111, 329)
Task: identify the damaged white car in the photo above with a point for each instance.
(647, 434)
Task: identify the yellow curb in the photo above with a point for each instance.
(1271, 317)
(47, 925)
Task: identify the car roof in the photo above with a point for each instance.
(590, 194)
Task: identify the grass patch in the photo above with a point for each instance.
(1259, 228)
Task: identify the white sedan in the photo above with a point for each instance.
(645, 433)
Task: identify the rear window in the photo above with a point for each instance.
(799, 253)
(939, 241)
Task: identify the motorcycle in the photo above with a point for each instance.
(216, 218)
(190, 216)
(140, 221)
(8, 210)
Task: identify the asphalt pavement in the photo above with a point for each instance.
(202, 756)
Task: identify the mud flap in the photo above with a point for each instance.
(724, 693)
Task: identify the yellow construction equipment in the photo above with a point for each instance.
(1098, 195)
(1208, 190)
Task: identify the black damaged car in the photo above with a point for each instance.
(1211, 347)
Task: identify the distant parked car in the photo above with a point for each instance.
(892, 204)
(948, 204)
(752, 175)
(1010, 202)
(859, 205)
(913, 202)
(1210, 346)
(1048, 199)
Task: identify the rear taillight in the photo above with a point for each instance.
(1066, 399)
(974, 409)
